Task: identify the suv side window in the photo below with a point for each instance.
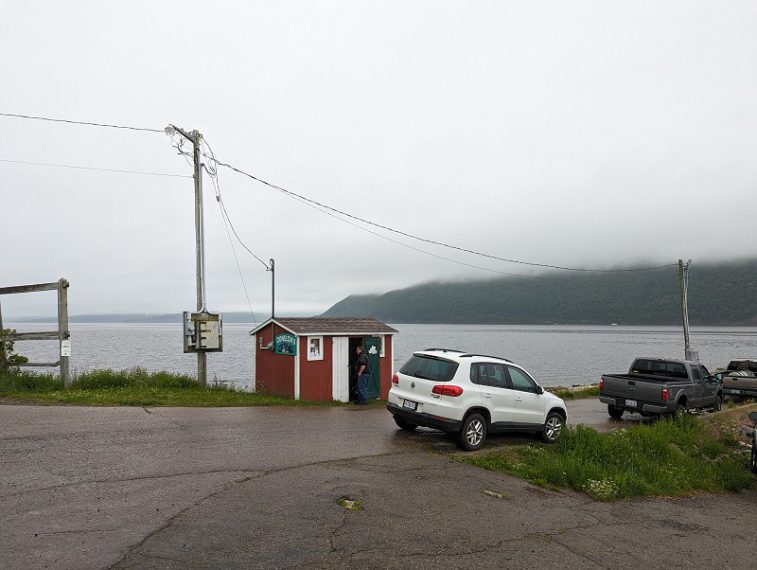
(520, 380)
(489, 374)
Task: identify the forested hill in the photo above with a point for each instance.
(719, 294)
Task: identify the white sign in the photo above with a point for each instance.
(65, 347)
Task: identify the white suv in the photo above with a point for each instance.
(470, 395)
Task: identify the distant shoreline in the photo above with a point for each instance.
(236, 319)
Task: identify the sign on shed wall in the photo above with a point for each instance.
(285, 343)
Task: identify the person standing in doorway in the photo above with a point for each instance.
(363, 372)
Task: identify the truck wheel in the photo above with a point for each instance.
(472, 433)
(404, 424)
(718, 403)
(615, 412)
(680, 411)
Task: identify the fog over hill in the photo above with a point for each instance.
(719, 294)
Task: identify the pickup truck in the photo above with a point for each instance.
(660, 386)
(740, 378)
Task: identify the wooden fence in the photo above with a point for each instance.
(62, 335)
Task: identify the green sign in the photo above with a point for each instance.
(285, 343)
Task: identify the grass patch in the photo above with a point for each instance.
(349, 504)
(577, 394)
(667, 458)
(134, 387)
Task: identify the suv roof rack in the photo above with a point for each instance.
(471, 355)
(442, 349)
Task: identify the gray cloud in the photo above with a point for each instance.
(588, 133)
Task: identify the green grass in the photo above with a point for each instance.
(667, 458)
(566, 394)
(134, 387)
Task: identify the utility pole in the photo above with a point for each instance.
(196, 138)
(272, 269)
(683, 279)
(202, 362)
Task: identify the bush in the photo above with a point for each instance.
(132, 378)
(29, 382)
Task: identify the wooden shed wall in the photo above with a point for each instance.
(274, 373)
(315, 375)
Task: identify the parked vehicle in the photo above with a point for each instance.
(753, 417)
(660, 386)
(740, 378)
(470, 395)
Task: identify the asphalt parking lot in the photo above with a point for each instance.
(259, 488)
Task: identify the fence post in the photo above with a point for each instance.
(63, 333)
(3, 363)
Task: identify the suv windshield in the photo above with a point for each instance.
(430, 368)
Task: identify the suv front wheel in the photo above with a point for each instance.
(552, 427)
(472, 433)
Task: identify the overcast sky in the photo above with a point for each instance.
(593, 134)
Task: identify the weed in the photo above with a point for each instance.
(665, 458)
(349, 504)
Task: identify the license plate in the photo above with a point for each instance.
(409, 405)
(631, 403)
(734, 391)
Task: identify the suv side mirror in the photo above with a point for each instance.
(539, 389)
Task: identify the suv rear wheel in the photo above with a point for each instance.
(404, 424)
(472, 433)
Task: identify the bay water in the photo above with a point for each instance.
(555, 355)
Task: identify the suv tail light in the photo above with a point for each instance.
(601, 383)
(396, 378)
(445, 390)
(665, 394)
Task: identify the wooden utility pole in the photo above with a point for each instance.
(272, 269)
(196, 138)
(683, 279)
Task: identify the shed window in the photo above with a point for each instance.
(315, 348)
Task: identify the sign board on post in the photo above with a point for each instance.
(203, 332)
(285, 343)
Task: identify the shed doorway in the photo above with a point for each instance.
(372, 347)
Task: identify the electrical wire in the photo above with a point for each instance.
(239, 268)
(93, 168)
(85, 123)
(417, 249)
(324, 207)
(228, 225)
(213, 174)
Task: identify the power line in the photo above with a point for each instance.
(85, 123)
(419, 250)
(323, 206)
(93, 168)
(213, 174)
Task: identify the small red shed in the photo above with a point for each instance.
(312, 358)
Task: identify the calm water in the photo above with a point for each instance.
(554, 354)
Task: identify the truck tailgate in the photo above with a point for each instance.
(632, 388)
